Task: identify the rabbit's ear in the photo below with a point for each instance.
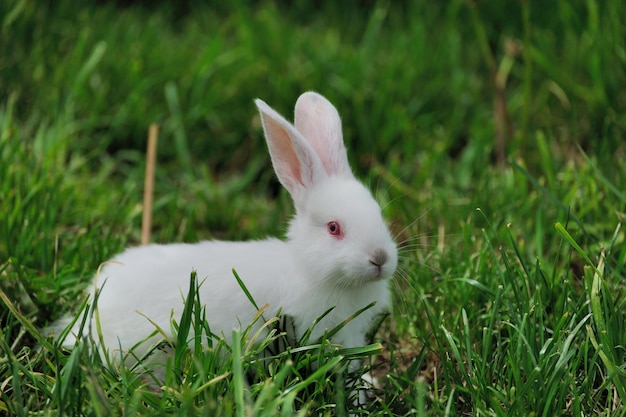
(295, 162)
(318, 121)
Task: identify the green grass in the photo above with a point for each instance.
(510, 296)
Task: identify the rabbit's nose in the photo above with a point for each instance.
(379, 258)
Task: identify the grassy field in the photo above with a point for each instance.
(492, 133)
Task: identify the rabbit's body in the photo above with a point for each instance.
(338, 253)
(122, 306)
(123, 310)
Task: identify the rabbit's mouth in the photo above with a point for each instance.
(378, 273)
(374, 271)
(378, 261)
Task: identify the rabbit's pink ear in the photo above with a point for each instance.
(318, 121)
(295, 162)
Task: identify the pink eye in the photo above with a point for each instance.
(334, 229)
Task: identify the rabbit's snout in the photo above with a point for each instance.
(378, 259)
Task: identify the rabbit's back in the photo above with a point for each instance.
(149, 284)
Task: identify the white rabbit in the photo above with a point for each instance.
(338, 252)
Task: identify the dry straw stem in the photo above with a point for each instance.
(146, 222)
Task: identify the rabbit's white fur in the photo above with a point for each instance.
(310, 272)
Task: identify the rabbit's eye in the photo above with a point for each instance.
(334, 229)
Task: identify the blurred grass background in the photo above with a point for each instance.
(414, 82)
(115, 67)
(477, 124)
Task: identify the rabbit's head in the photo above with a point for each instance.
(338, 232)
